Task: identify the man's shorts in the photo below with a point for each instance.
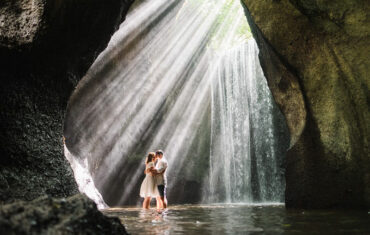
(162, 190)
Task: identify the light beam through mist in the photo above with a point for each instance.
(153, 88)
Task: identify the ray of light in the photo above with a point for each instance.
(151, 89)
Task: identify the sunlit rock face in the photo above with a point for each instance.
(45, 48)
(322, 46)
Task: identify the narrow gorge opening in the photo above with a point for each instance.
(184, 77)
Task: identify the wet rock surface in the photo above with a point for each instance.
(318, 53)
(45, 48)
(46, 215)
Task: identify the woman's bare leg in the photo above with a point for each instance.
(146, 203)
(159, 203)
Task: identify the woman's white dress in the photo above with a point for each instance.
(149, 187)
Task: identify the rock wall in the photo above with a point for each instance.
(46, 215)
(315, 55)
(45, 48)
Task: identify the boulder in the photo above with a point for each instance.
(45, 215)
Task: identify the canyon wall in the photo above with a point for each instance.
(315, 55)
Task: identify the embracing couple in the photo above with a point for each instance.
(154, 184)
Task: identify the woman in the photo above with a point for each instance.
(148, 188)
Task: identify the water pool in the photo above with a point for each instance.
(241, 219)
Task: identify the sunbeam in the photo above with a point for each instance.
(153, 88)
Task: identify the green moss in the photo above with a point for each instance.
(325, 44)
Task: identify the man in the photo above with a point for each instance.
(161, 179)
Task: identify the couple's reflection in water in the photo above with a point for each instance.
(159, 224)
(204, 219)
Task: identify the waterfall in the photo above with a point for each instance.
(83, 179)
(244, 161)
(151, 88)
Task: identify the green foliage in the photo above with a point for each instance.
(231, 27)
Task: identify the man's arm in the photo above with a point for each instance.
(154, 171)
(162, 168)
(149, 170)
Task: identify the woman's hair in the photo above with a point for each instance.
(150, 157)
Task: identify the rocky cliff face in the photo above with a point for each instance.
(315, 55)
(45, 48)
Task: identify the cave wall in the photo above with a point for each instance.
(315, 55)
(45, 48)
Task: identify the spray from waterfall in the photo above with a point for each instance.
(153, 88)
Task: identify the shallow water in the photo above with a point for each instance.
(241, 219)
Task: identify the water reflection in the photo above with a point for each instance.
(157, 221)
(240, 219)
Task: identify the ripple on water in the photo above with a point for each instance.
(240, 219)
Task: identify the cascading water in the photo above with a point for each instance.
(245, 161)
(151, 89)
